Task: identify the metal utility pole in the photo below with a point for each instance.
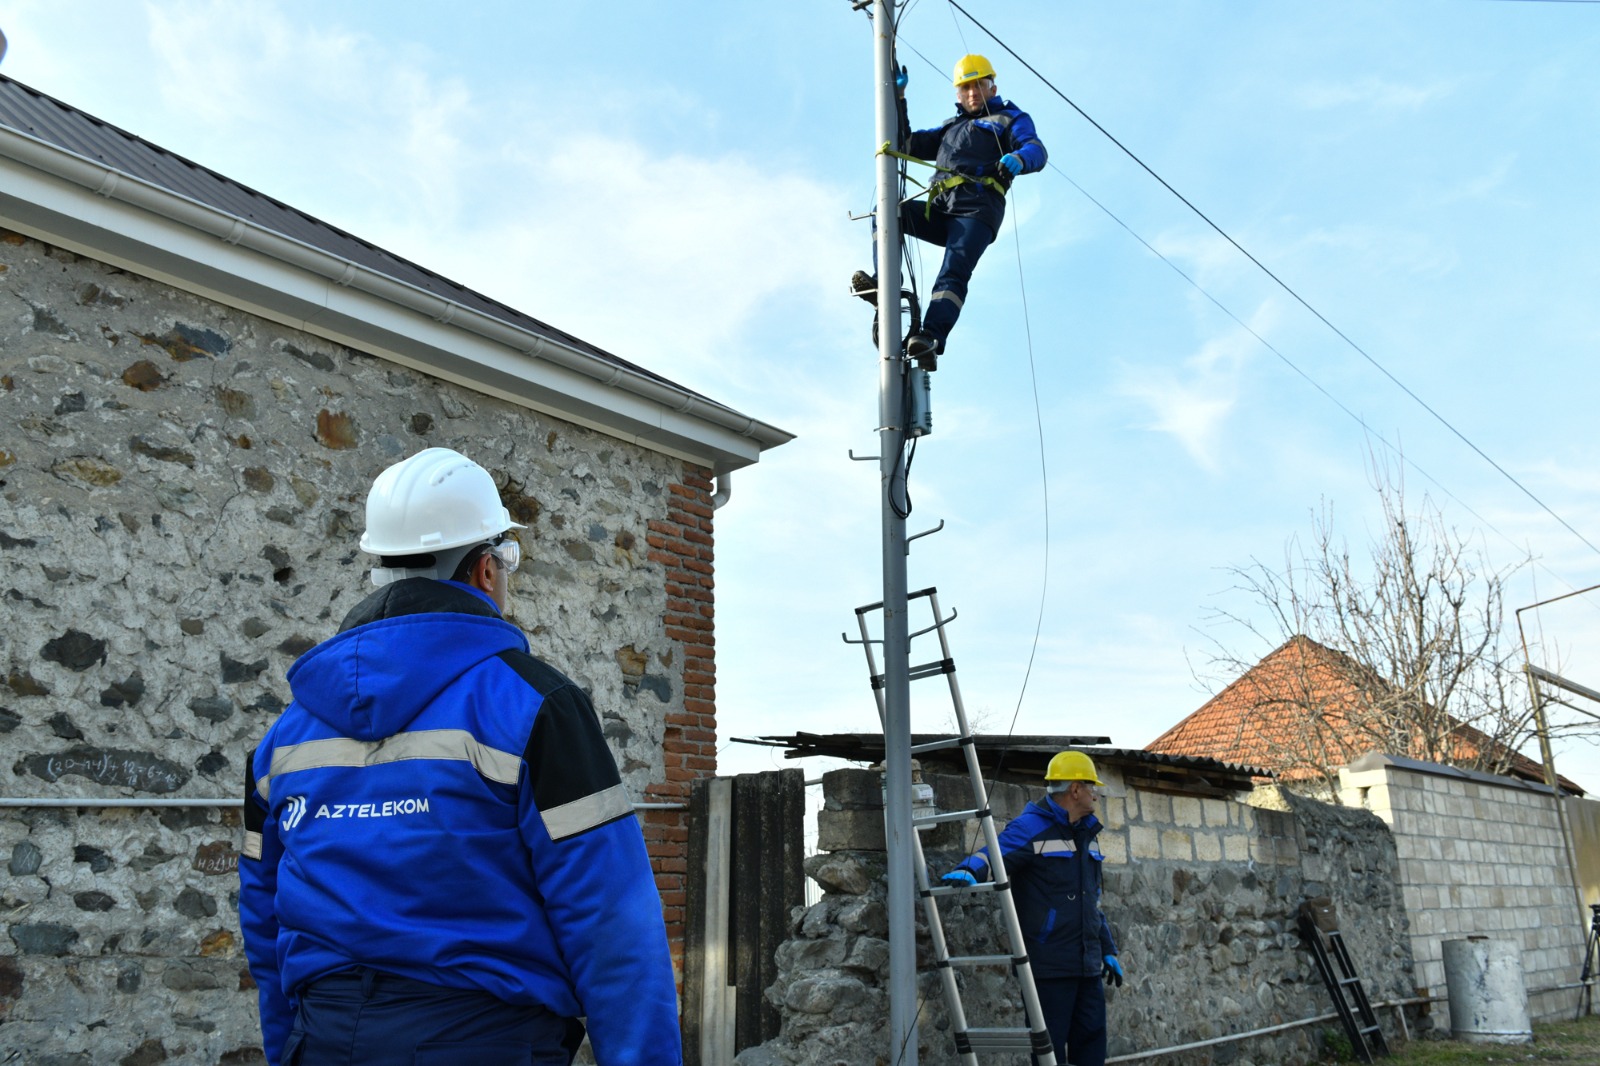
(896, 662)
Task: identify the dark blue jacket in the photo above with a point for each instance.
(1055, 872)
(971, 145)
(439, 804)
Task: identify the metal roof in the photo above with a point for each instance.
(32, 112)
(1024, 758)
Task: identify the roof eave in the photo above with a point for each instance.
(82, 205)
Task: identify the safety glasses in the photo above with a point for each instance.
(509, 552)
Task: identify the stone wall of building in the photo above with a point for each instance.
(1479, 856)
(1202, 896)
(181, 490)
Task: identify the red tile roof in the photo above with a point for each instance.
(1291, 712)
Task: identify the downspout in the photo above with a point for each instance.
(724, 489)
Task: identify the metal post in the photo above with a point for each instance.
(896, 663)
(1543, 727)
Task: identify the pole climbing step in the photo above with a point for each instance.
(1032, 1037)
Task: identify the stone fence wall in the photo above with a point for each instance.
(1480, 855)
(1202, 895)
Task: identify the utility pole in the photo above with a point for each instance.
(896, 652)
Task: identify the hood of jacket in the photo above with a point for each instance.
(395, 652)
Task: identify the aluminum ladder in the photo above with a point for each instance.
(1033, 1037)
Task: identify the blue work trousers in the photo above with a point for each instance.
(964, 241)
(362, 1017)
(1075, 1013)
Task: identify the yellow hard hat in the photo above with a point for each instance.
(1072, 766)
(971, 68)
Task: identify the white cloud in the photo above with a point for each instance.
(1478, 186)
(1373, 93)
(1194, 403)
(1381, 251)
(702, 267)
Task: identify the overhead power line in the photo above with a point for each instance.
(1280, 282)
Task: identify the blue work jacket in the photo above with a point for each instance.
(439, 804)
(1055, 872)
(970, 145)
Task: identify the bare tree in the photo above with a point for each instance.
(1398, 652)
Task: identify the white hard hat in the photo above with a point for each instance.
(436, 500)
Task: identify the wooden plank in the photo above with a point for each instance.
(694, 918)
(717, 1015)
(788, 881)
(748, 888)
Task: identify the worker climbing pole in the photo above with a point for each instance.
(976, 154)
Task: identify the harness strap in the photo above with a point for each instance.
(943, 184)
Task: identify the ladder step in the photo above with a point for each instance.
(948, 816)
(933, 669)
(937, 745)
(1348, 981)
(1000, 1039)
(981, 960)
(1364, 1032)
(953, 890)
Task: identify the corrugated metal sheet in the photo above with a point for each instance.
(29, 111)
(1024, 755)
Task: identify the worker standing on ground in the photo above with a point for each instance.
(978, 151)
(441, 863)
(1054, 867)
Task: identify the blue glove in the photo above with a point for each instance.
(959, 877)
(900, 79)
(1012, 162)
(1113, 971)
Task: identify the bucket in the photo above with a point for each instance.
(1488, 1001)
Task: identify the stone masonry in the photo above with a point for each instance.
(181, 490)
(1479, 855)
(1202, 895)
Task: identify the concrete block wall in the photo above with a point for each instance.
(1479, 855)
(1201, 893)
(181, 491)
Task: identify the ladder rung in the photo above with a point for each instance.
(940, 819)
(938, 745)
(1350, 981)
(951, 890)
(1000, 1039)
(981, 960)
(933, 669)
(1364, 1032)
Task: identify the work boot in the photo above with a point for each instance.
(924, 348)
(865, 286)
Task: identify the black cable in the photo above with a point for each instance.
(1282, 284)
(1372, 433)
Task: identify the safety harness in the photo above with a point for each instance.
(943, 184)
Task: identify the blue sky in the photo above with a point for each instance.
(673, 182)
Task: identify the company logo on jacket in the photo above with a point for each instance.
(386, 809)
(294, 809)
